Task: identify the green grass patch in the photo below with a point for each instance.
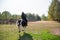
(45, 35)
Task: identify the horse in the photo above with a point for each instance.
(22, 23)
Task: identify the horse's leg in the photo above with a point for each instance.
(24, 29)
(19, 27)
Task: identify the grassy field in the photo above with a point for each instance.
(40, 30)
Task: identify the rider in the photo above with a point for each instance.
(24, 16)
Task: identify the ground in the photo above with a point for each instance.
(39, 30)
(52, 26)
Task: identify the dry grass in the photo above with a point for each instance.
(42, 25)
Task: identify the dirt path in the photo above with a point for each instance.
(55, 31)
(53, 26)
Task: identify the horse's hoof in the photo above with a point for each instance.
(19, 31)
(22, 30)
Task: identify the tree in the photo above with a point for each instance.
(44, 17)
(6, 15)
(0, 15)
(54, 11)
(33, 17)
(15, 17)
(57, 11)
(38, 18)
(29, 16)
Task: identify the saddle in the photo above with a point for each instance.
(24, 23)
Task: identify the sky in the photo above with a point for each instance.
(39, 7)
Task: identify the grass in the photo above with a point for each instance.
(43, 35)
(34, 31)
(8, 32)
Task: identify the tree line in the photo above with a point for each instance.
(33, 17)
(6, 17)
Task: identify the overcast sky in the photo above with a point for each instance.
(31, 6)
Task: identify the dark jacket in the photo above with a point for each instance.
(24, 17)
